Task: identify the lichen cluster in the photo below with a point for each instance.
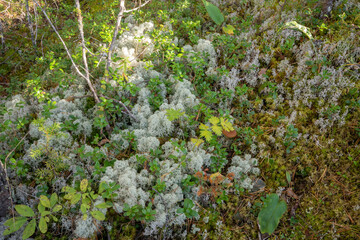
(293, 102)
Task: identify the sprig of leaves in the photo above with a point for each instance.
(87, 197)
(47, 209)
(218, 125)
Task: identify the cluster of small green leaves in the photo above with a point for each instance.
(53, 161)
(47, 210)
(290, 136)
(87, 197)
(188, 209)
(139, 213)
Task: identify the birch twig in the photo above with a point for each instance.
(112, 44)
(69, 55)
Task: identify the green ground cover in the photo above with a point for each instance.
(215, 120)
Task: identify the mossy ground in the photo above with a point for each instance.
(323, 196)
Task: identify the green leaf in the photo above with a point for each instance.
(173, 114)
(44, 200)
(55, 219)
(14, 224)
(98, 215)
(68, 189)
(53, 199)
(104, 205)
(69, 196)
(83, 185)
(296, 26)
(41, 207)
(93, 195)
(57, 208)
(83, 208)
(288, 177)
(102, 187)
(86, 200)
(44, 213)
(29, 229)
(43, 225)
(76, 198)
(180, 210)
(214, 12)
(271, 213)
(24, 210)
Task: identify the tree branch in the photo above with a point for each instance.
(81, 28)
(112, 44)
(69, 55)
(141, 5)
(30, 24)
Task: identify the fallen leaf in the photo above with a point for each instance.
(291, 193)
(230, 134)
(102, 142)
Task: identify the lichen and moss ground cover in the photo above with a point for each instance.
(199, 121)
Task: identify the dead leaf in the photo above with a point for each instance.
(262, 71)
(230, 134)
(290, 193)
(103, 141)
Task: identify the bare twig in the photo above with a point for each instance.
(2, 35)
(81, 28)
(16, 51)
(112, 44)
(41, 43)
(137, 8)
(36, 23)
(116, 31)
(69, 54)
(30, 24)
(7, 7)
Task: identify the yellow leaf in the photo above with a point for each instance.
(215, 125)
(83, 185)
(206, 134)
(229, 29)
(214, 120)
(203, 127)
(216, 178)
(227, 126)
(217, 129)
(197, 141)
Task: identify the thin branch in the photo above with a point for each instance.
(112, 44)
(16, 51)
(36, 23)
(81, 28)
(8, 6)
(127, 111)
(2, 35)
(69, 55)
(30, 24)
(41, 43)
(141, 5)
